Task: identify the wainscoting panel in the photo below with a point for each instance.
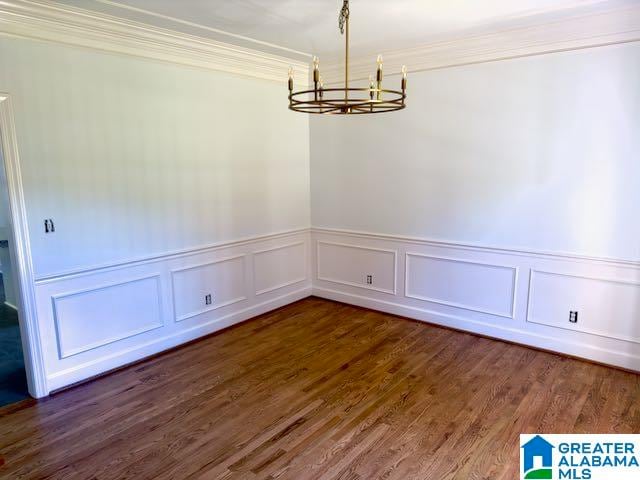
(92, 321)
(96, 317)
(222, 280)
(279, 267)
(516, 295)
(357, 266)
(605, 307)
(474, 286)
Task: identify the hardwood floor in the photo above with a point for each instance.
(317, 390)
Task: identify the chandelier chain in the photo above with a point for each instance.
(344, 15)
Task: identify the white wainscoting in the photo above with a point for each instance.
(515, 295)
(223, 279)
(96, 320)
(351, 264)
(607, 307)
(119, 311)
(278, 267)
(487, 288)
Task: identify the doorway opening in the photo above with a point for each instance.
(21, 361)
(13, 375)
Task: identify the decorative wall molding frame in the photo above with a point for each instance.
(214, 306)
(27, 308)
(258, 292)
(620, 25)
(391, 291)
(48, 21)
(58, 320)
(514, 279)
(599, 332)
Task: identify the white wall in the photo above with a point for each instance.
(133, 157)
(539, 153)
(484, 205)
(167, 184)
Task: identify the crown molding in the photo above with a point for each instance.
(48, 21)
(621, 25)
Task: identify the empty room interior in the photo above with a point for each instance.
(320, 239)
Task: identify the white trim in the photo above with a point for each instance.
(257, 293)
(279, 286)
(613, 26)
(161, 257)
(213, 307)
(136, 353)
(598, 333)
(353, 284)
(29, 329)
(477, 247)
(10, 305)
(279, 247)
(64, 353)
(53, 22)
(618, 357)
(203, 27)
(514, 282)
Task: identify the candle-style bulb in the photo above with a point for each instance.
(379, 71)
(316, 70)
(403, 82)
(290, 73)
(321, 83)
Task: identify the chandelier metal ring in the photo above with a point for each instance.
(321, 101)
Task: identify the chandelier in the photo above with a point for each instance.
(347, 100)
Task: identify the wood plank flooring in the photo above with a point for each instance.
(317, 390)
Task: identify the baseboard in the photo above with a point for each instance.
(100, 366)
(514, 335)
(11, 305)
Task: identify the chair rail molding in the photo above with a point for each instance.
(48, 21)
(481, 247)
(29, 329)
(616, 25)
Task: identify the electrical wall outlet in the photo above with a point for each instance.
(573, 316)
(207, 299)
(49, 226)
(369, 279)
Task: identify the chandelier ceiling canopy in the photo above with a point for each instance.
(347, 100)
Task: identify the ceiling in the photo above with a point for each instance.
(301, 27)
